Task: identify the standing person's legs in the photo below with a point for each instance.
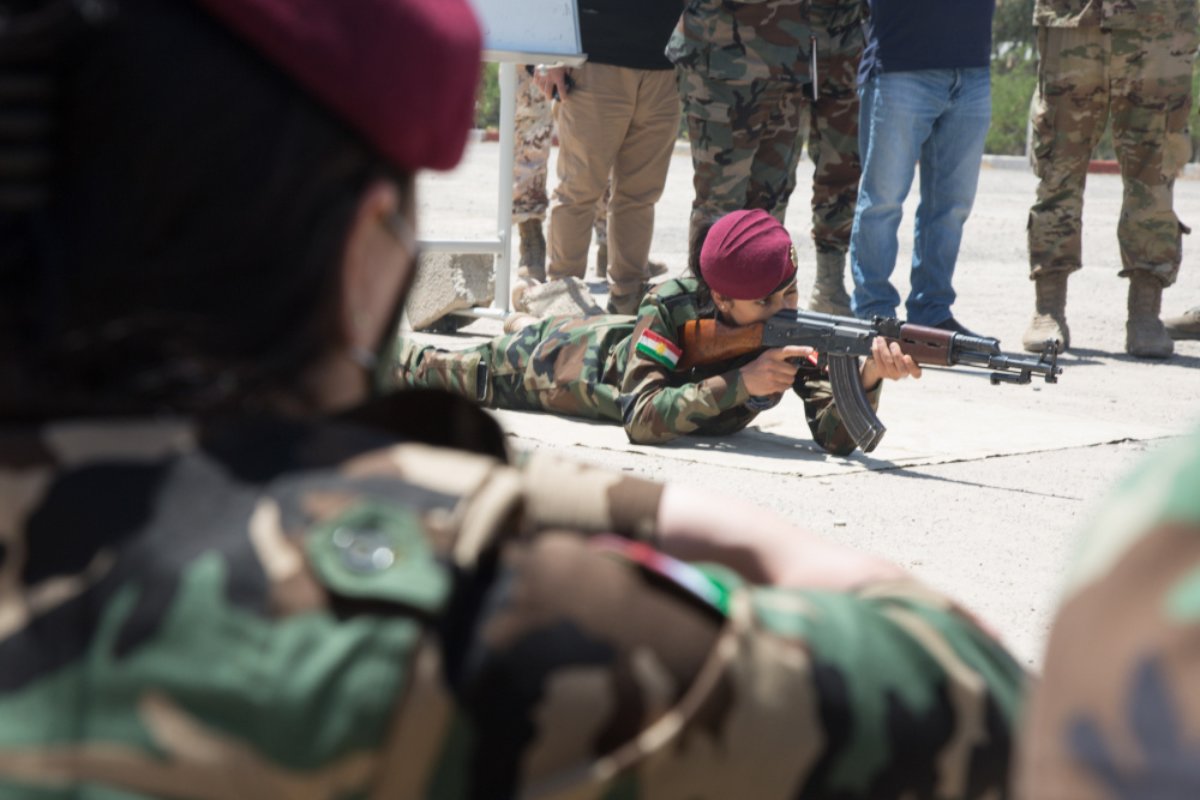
(592, 121)
(950, 160)
(531, 151)
(777, 148)
(638, 177)
(1069, 114)
(1151, 96)
(833, 146)
(1151, 77)
(723, 122)
(899, 108)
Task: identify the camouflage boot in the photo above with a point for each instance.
(1185, 326)
(1145, 336)
(532, 263)
(829, 290)
(1050, 314)
(602, 261)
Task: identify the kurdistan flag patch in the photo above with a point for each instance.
(659, 348)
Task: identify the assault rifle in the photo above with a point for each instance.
(840, 341)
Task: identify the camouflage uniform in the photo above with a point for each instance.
(590, 367)
(1131, 61)
(744, 76)
(534, 130)
(275, 609)
(1115, 715)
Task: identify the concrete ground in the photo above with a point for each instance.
(978, 489)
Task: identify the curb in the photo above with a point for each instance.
(1020, 163)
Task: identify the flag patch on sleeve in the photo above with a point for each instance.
(659, 348)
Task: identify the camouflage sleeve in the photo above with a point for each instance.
(653, 409)
(1115, 713)
(828, 430)
(594, 677)
(566, 495)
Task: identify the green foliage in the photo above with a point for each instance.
(1011, 93)
(487, 99)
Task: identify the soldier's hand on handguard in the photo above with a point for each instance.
(773, 371)
(553, 81)
(887, 361)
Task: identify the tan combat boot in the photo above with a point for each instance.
(829, 291)
(1050, 314)
(1185, 326)
(532, 262)
(1145, 336)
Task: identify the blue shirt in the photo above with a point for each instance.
(905, 35)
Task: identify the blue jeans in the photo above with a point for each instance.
(939, 117)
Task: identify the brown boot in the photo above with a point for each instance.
(1145, 336)
(532, 263)
(829, 289)
(1050, 314)
(602, 261)
(1185, 326)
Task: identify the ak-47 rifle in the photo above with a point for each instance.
(840, 341)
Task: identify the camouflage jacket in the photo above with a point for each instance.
(660, 403)
(1115, 715)
(763, 39)
(1146, 15)
(274, 609)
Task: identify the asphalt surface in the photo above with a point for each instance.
(980, 490)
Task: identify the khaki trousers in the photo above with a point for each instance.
(617, 121)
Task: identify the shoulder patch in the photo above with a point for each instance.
(659, 348)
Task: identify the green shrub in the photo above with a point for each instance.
(487, 99)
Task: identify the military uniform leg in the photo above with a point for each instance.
(1069, 117)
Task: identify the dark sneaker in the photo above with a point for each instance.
(954, 326)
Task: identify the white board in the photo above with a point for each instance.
(548, 28)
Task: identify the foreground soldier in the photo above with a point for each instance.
(1185, 325)
(623, 368)
(225, 575)
(1115, 714)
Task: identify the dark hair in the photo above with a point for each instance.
(703, 293)
(187, 257)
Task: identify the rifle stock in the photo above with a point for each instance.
(707, 341)
(842, 340)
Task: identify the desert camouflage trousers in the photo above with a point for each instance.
(531, 152)
(1142, 82)
(747, 138)
(563, 365)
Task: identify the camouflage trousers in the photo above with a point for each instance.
(564, 365)
(531, 152)
(747, 138)
(1142, 82)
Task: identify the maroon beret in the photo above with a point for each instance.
(747, 255)
(403, 73)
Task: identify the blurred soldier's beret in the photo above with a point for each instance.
(747, 255)
(403, 73)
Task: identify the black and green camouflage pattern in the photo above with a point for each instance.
(273, 609)
(745, 77)
(588, 367)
